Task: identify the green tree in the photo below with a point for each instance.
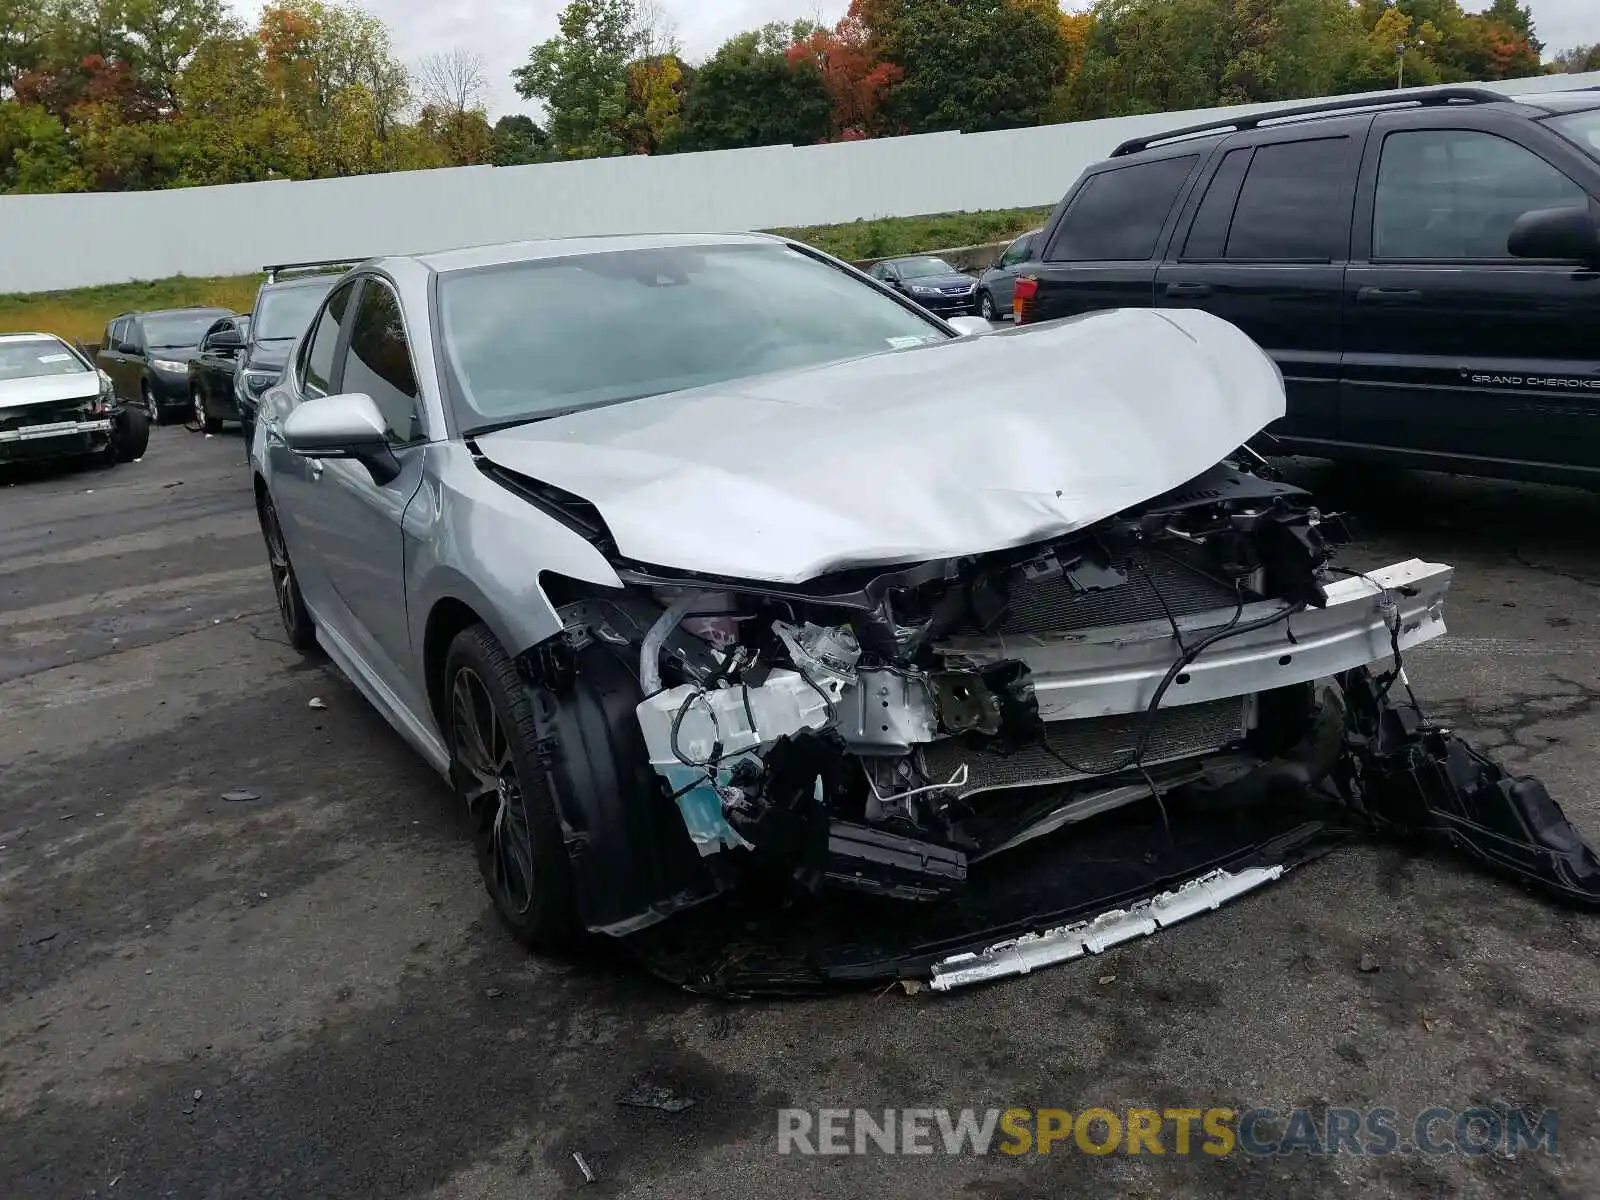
(163, 36)
(979, 65)
(1579, 59)
(36, 154)
(749, 94)
(517, 141)
(1167, 55)
(580, 76)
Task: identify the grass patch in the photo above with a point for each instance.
(911, 235)
(81, 313)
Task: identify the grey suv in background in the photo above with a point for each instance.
(995, 286)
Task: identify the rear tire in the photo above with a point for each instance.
(202, 418)
(493, 725)
(130, 434)
(297, 622)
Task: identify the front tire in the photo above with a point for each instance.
(152, 409)
(986, 308)
(496, 767)
(292, 612)
(130, 434)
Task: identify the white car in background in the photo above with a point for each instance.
(54, 404)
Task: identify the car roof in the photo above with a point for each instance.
(31, 337)
(472, 257)
(326, 278)
(1294, 115)
(1576, 100)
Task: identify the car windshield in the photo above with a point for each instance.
(28, 357)
(924, 268)
(541, 338)
(1580, 128)
(178, 329)
(283, 315)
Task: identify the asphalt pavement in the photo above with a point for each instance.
(304, 993)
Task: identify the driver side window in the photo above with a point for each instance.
(316, 366)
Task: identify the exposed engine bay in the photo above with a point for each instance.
(1199, 662)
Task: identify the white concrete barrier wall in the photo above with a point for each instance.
(61, 241)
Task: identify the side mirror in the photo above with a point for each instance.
(343, 426)
(226, 339)
(1569, 233)
(970, 326)
(126, 348)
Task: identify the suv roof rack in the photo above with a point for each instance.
(275, 270)
(1421, 97)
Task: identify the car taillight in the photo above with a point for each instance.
(1023, 296)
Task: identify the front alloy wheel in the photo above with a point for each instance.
(497, 772)
(986, 308)
(291, 605)
(151, 408)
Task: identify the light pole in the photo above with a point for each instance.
(1399, 64)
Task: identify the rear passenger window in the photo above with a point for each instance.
(1209, 233)
(379, 362)
(1117, 215)
(324, 341)
(1455, 194)
(1294, 205)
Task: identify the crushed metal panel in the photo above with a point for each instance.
(1033, 951)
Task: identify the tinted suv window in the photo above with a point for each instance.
(319, 353)
(1209, 233)
(1294, 204)
(379, 362)
(1118, 214)
(1453, 194)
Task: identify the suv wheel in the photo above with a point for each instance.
(202, 418)
(297, 621)
(986, 308)
(499, 772)
(151, 408)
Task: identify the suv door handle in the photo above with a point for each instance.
(1387, 295)
(1192, 290)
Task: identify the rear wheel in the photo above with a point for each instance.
(201, 417)
(297, 621)
(497, 769)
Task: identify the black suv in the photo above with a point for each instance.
(1423, 266)
(147, 356)
(283, 309)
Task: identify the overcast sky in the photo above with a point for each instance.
(503, 30)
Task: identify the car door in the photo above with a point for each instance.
(1455, 349)
(1099, 251)
(357, 535)
(115, 361)
(213, 367)
(314, 373)
(1001, 282)
(1266, 249)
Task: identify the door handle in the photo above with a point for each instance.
(1189, 290)
(1387, 295)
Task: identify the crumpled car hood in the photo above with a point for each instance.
(961, 447)
(48, 389)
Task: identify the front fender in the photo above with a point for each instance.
(471, 540)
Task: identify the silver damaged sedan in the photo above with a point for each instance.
(726, 586)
